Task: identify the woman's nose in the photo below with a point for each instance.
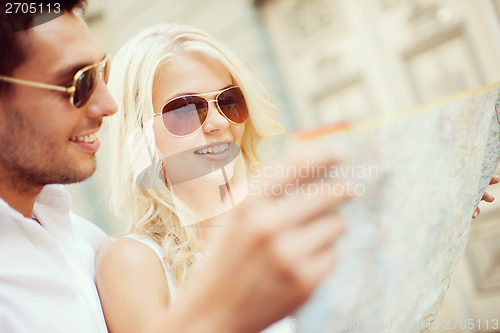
(215, 120)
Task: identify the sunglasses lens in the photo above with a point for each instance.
(184, 115)
(232, 104)
(85, 86)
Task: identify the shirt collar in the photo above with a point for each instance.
(55, 196)
(52, 196)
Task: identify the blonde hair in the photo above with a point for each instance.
(150, 210)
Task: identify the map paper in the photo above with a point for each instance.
(407, 232)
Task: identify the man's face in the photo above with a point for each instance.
(42, 136)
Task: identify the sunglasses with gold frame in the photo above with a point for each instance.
(83, 86)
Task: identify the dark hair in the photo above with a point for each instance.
(13, 46)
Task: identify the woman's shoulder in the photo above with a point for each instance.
(127, 252)
(128, 257)
(131, 282)
(138, 258)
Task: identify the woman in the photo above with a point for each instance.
(190, 124)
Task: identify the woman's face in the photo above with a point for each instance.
(216, 143)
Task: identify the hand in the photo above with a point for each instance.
(270, 256)
(486, 196)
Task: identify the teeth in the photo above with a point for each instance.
(84, 138)
(213, 150)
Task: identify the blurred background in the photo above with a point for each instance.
(330, 60)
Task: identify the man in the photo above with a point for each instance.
(46, 282)
(53, 100)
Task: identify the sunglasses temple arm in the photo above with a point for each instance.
(37, 84)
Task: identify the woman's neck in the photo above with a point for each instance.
(204, 203)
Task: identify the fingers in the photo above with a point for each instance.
(476, 213)
(298, 169)
(313, 201)
(487, 197)
(316, 268)
(312, 238)
(298, 191)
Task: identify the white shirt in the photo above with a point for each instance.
(47, 271)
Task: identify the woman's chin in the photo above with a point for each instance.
(215, 178)
(218, 177)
